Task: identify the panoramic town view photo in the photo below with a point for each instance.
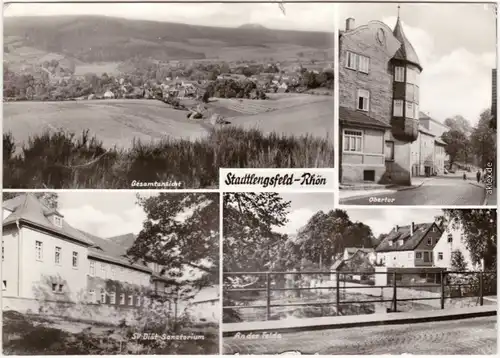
(110, 273)
(417, 104)
(162, 96)
(301, 276)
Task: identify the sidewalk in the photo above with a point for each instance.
(489, 199)
(309, 324)
(352, 191)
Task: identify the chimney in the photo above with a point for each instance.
(349, 24)
(412, 228)
(396, 228)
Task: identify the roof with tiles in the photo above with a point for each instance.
(108, 250)
(406, 52)
(410, 241)
(349, 116)
(28, 209)
(356, 249)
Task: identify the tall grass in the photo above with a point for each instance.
(65, 160)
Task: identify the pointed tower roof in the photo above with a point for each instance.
(406, 52)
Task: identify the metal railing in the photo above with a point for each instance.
(443, 281)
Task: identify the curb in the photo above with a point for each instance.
(388, 321)
(389, 190)
(485, 201)
(386, 191)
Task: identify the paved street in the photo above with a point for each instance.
(438, 191)
(476, 336)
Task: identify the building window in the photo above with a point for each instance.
(3, 250)
(58, 221)
(412, 76)
(103, 270)
(440, 255)
(122, 298)
(353, 141)
(39, 250)
(4, 285)
(138, 303)
(75, 259)
(363, 103)
(57, 258)
(429, 242)
(92, 268)
(390, 243)
(427, 256)
(450, 238)
(416, 114)
(358, 62)
(103, 296)
(409, 110)
(398, 107)
(418, 255)
(363, 64)
(400, 242)
(399, 74)
(112, 272)
(92, 296)
(54, 287)
(130, 300)
(389, 150)
(61, 288)
(352, 59)
(411, 93)
(112, 298)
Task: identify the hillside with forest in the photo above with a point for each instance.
(90, 39)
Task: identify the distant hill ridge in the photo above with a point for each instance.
(102, 38)
(253, 26)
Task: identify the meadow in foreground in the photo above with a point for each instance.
(67, 160)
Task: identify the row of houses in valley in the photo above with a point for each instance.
(45, 259)
(385, 138)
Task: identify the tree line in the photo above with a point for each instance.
(471, 145)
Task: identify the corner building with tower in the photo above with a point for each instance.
(379, 74)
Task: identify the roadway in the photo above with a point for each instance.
(437, 191)
(473, 336)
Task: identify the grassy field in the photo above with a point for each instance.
(116, 122)
(111, 143)
(288, 114)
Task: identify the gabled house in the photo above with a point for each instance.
(205, 304)
(43, 257)
(450, 241)
(357, 264)
(351, 251)
(409, 246)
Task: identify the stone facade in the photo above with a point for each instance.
(392, 164)
(363, 41)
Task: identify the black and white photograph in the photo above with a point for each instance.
(110, 273)
(301, 277)
(417, 104)
(160, 96)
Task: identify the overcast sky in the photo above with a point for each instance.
(382, 220)
(302, 207)
(316, 17)
(104, 214)
(456, 45)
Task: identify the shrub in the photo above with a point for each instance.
(64, 160)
